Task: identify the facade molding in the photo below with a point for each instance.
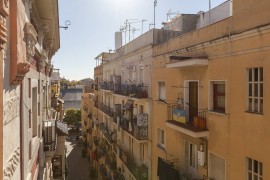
(12, 164)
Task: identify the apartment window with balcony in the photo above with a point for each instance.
(141, 109)
(29, 87)
(123, 75)
(141, 75)
(254, 169)
(30, 118)
(161, 138)
(255, 90)
(161, 91)
(38, 86)
(34, 112)
(30, 150)
(142, 153)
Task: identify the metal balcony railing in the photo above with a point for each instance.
(137, 127)
(133, 90)
(189, 118)
(138, 171)
(49, 135)
(106, 109)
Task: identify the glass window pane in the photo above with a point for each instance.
(256, 105)
(261, 89)
(255, 177)
(256, 166)
(249, 176)
(256, 74)
(261, 74)
(256, 89)
(261, 169)
(249, 164)
(250, 75)
(250, 104)
(261, 105)
(250, 89)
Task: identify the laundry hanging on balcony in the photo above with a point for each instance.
(142, 119)
(129, 126)
(128, 105)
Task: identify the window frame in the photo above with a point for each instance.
(216, 94)
(160, 84)
(259, 174)
(161, 138)
(255, 93)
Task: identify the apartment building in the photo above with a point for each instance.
(121, 128)
(31, 32)
(209, 106)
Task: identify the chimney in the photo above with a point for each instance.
(118, 40)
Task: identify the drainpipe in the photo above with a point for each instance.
(21, 132)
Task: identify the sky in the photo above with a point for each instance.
(94, 22)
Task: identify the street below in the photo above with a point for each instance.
(78, 166)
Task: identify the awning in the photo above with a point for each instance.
(128, 105)
(62, 129)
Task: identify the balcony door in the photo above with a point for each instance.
(191, 98)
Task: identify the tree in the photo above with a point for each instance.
(72, 116)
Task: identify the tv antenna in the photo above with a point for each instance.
(169, 13)
(143, 20)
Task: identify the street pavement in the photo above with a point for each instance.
(78, 167)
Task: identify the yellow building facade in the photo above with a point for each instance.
(210, 103)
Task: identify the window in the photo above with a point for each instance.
(30, 118)
(191, 155)
(162, 91)
(254, 169)
(255, 90)
(217, 167)
(141, 75)
(161, 141)
(141, 109)
(142, 152)
(29, 87)
(30, 150)
(219, 97)
(34, 112)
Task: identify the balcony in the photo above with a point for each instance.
(137, 127)
(106, 109)
(133, 90)
(138, 171)
(192, 122)
(49, 135)
(107, 85)
(109, 136)
(130, 90)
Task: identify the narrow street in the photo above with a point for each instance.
(78, 167)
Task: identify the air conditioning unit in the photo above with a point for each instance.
(201, 158)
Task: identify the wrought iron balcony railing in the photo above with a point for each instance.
(133, 90)
(138, 171)
(106, 109)
(137, 127)
(49, 135)
(189, 118)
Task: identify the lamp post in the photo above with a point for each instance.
(155, 4)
